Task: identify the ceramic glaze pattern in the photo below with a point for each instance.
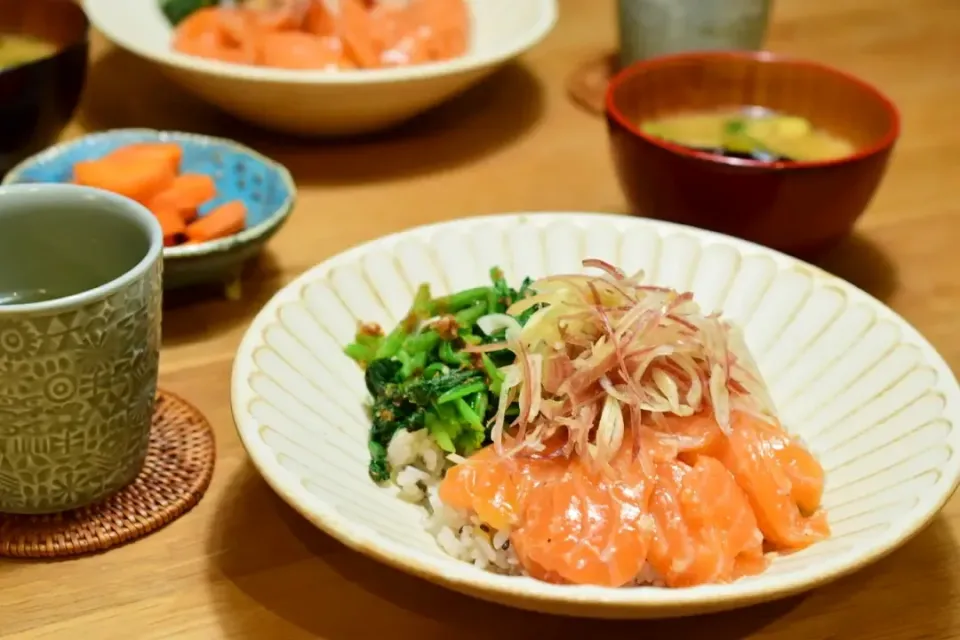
(871, 397)
(77, 391)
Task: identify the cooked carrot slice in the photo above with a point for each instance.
(162, 151)
(197, 187)
(139, 180)
(296, 50)
(353, 26)
(184, 195)
(225, 220)
(172, 225)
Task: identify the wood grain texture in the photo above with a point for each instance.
(243, 565)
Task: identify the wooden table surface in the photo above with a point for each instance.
(244, 565)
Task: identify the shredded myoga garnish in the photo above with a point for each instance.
(587, 429)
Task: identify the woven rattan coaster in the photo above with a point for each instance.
(175, 476)
(587, 86)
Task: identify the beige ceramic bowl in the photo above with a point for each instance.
(871, 397)
(323, 102)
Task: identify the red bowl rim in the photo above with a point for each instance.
(625, 74)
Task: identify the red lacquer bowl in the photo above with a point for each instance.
(798, 207)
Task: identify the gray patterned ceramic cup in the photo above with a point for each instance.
(650, 28)
(80, 293)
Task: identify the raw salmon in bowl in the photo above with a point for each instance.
(318, 76)
(597, 415)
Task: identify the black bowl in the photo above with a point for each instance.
(38, 99)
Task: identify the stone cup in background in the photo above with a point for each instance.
(650, 28)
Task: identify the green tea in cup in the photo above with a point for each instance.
(80, 294)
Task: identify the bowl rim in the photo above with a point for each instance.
(624, 75)
(545, 22)
(526, 592)
(220, 245)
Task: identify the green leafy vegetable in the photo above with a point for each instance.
(380, 374)
(419, 376)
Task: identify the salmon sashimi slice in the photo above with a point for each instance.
(388, 24)
(355, 27)
(297, 50)
(200, 33)
(370, 34)
(453, 28)
(687, 548)
(578, 525)
(401, 40)
(406, 51)
(484, 484)
(716, 505)
(696, 434)
(497, 488)
(199, 23)
(319, 21)
(282, 15)
(805, 473)
(696, 512)
(443, 26)
(750, 562)
(587, 527)
(218, 34)
(749, 452)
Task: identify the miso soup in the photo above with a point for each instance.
(17, 49)
(754, 134)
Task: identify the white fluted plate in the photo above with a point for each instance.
(867, 392)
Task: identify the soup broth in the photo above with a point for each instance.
(754, 134)
(17, 49)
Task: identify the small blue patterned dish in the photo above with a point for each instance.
(265, 187)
